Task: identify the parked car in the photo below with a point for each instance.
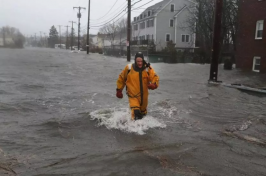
(60, 46)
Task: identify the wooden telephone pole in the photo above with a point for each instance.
(79, 16)
(216, 41)
(128, 30)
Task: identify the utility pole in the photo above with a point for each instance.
(41, 38)
(60, 35)
(216, 41)
(79, 16)
(35, 41)
(4, 36)
(88, 28)
(45, 43)
(128, 30)
(72, 34)
(67, 37)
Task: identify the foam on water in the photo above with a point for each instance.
(120, 118)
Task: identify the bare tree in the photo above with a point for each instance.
(16, 36)
(122, 31)
(203, 19)
(110, 30)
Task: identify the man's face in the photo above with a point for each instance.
(139, 62)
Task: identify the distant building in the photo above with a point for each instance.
(8, 41)
(251, 37)
(102, 40)
(163, 22)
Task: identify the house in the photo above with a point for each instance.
(103, 40)
(164, 22)
(99, 40)
(6, 42)
(251, 37)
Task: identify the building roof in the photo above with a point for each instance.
(154, 9)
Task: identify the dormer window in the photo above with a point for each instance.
(172, 8)
(149, 13)
(141, 16)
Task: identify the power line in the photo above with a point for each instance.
(121, 13)
(98, 26)
(92, 27)
(136, 3)
(143, 5)
(110, 19)
(118, 9)
(108, 11)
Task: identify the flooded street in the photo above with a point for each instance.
(59, 116)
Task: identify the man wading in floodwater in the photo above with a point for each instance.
(138, 78)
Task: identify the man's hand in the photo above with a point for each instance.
(152, 86)
(119, 93)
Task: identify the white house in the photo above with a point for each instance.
(165, 21)
(8, 41)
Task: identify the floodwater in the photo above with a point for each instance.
(59, 116)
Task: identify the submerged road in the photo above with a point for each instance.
(59, 116)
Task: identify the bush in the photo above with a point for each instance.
(228, 64)
(100, 51)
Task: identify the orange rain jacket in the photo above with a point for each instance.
(136, 83)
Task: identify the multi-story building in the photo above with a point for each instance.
(165, 21)
(251, 37)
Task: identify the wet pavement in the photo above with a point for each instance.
(59, 116)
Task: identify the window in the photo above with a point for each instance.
(172, 7)
(149, 13)
(135, 18)
(152, 36)
(171, 23)
(148, 37)
(185, 38)
(141, 16)
(167, 38)
(142, 25)
(145, 15)
(256, 64)
(259, 29)
(151, 23)
(136, 27)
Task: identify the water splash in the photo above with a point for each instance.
(121, 119)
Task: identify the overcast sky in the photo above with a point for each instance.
(33, 16)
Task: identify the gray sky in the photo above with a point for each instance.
(33, 16)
